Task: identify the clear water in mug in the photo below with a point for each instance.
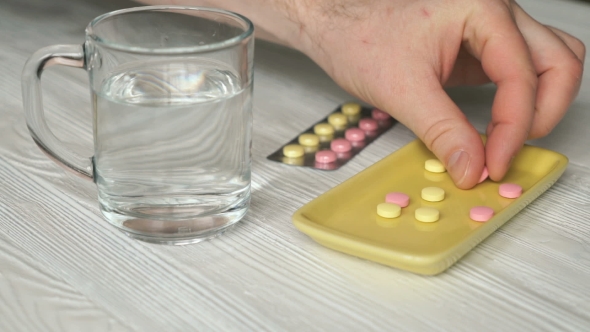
(172, 148)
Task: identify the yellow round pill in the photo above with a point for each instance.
(351, 109)
(434, 166)
(337, 120)
(433, 194)
(309, 140)
(323, 129)
(389, 210)
(426, 214)
(293, 151)
(294, 161)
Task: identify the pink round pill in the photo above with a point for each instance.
(324, 166)
(358, 144)
(344, 155)
(379, 115)
(484, 175)
(481, 213)
(368, 124)
(510, 190)
(325, 156)
(400, 199)
(354, 135)
(340, 145)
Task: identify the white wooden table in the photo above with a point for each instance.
(64, 268)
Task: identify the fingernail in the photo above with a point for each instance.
(458, 165)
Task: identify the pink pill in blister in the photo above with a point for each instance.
(354, 135)
(340, 145)
(325, 156)
(344, 155)
(510, 190)
(400, 199)
(326, 166)
(358, 144)
(368, 124)
(379, 115)
(481, 213)
(484, 175)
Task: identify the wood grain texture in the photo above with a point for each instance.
(33, 300)
(64, 268)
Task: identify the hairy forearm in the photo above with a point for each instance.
(278, 21)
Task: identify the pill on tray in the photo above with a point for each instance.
(293, 151)
(433, 194)
(481, 213)
(510, 190)
(354, 135)
(484, 175)
(434, 166)
(400, 199)
(389, 210)
(309, 140)
(351, 109)
(368, 124)
(337, 120)
(379, 115)
(323, 129)
(340, 145)
(427, 214)
(325, 156)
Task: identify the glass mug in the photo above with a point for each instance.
(172, 118)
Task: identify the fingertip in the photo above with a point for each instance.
(502, 146)
(466, 160)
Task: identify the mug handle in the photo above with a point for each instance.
(67, 55)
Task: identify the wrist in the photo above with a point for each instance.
(279, 21)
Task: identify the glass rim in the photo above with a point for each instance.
(248, 32)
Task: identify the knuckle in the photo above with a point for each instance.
(578, 48)
(574, 67)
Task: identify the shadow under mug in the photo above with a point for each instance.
(172, 118)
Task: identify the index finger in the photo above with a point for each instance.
(506, 60)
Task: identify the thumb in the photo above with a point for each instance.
(430, 113)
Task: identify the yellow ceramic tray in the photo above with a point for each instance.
(345, 217)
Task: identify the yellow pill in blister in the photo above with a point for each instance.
(427, 214)
(389, 210)
(323, 129)
(309, 140)
(434, 166)
(294, 161)
(338, 120)
(351, 108)
(293, 151)
(433, 194)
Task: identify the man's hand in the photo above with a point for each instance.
(399, 54)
